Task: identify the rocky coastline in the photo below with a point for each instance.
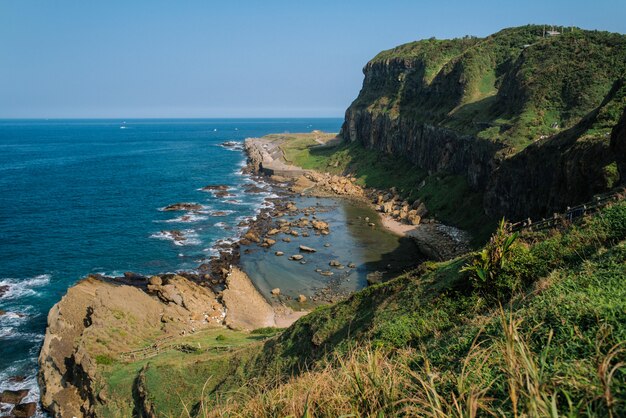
(409, 219)
(94, 323)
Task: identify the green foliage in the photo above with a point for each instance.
(266, 331)
(426, 344)
(104, 360)
(512, 87)
(220, 337)
(487, 266)
(611, 175)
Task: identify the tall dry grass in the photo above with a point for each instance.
(370, 382)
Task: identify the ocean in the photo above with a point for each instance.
(84, 196)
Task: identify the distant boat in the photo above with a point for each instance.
(215, 130)
(123, 123)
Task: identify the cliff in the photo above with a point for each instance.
(525, 119)
(97, 321)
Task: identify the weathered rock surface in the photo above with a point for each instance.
(87, 321)
(307, 249)
(246, 308)
(24, 410)
(13, 396)
(183, 206)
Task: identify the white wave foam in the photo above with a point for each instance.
(186, 237)
(202, 208)
(189, 217)
(29, 382)
(221, 225)
(25, 287)
(232, 145)
(222, 212)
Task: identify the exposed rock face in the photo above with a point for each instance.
(400, 111)
(429, 147)
(246, 308)
(547, 177)
(86, 323)
(183, 206)
(618, 146)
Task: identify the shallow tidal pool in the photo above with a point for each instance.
(351, 242)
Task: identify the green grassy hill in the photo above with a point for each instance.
(511, 87)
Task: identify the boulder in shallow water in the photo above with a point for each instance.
(307, 249)
(212, 187)
(252, 236)
(320, 225)
(296, 257)
(24, 410)
(301, 298)
(13, 396)
(279, 253)
(3, 289)
(183, 206)
(276, 291)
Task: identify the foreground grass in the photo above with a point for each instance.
(427, 344)
(548, 340)
(448, 197)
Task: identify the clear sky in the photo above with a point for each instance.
(266, 58)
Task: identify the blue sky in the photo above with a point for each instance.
(270, 58)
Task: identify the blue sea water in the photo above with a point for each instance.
(83, 196)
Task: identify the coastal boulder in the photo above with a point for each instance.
(183, 206)
(307, 249)
(252, 236)
(13, 396)
(24, 410)
(214, 187)
(319, 225)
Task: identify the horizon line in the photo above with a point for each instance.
(171, 118)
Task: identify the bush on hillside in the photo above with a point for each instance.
(487, 266)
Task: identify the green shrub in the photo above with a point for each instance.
(265, 331)
(487, 266)
(104, 359)
(614, 218)
(220, 337)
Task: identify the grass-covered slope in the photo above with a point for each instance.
(543, 335)
(510, 87)
(545, 339)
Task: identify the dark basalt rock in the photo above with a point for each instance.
(24, 410)
(183, 206)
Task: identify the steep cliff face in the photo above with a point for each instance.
(430, 147)
(96, 321)
(618, 146)
(565, 169)
(525, 119)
